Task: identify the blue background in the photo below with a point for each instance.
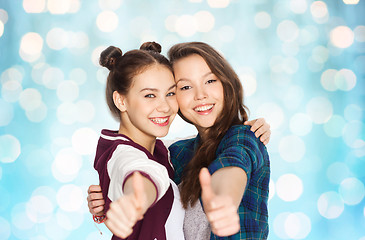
(302, 65)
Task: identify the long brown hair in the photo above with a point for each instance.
(234, 112)
(123, 68)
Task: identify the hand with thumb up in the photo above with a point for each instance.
(130, 208)
(219, 209)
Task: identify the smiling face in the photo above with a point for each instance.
(150, 106)
(199, 92)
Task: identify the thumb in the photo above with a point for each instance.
(206, 185)
(249, 122)
(138, 189)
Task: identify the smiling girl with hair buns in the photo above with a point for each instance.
(141, 200)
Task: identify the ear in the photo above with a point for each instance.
(119, 101)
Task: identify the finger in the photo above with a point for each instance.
(95, 196)
(225, 219)
(206, 186)
(265, 138)
(122, 212)
(227, 231)
(118, 229)
(98, 211)
(222, 212)
(250, 123)
(257, 124)
(138, 190)
(94, 188)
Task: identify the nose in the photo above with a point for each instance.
(163, 106)
(200, 93)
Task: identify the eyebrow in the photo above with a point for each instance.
(156, 90)
(205, 75)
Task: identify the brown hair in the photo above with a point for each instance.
(123, 68)
(234, 112)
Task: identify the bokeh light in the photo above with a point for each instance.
(301, 64)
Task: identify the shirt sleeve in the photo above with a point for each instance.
(124, 161)
(241, 149)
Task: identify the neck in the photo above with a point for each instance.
(146, 141)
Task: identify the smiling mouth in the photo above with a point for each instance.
(204, 108)
(162, 121)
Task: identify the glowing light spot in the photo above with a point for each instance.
(308, 34)
(249, 84)
(85, 111)
(39, 209)
(218, 3)
(319, 11)
(359, 32)
(205, 21)
(11, 91)
(69, 220)
(78, 40)
(272, 113)
(227, 34)
(298, 6)
(78, 75)
(96, 55)
(300, 124)
(30, 99)
(38, 114)
(345, 79)
(287, 31)
(351, 1)
(20, 220)
(279, 225)
(170, 23)
(319, 109)
(320, 54)
(6, 113)
(352, 133)
(262, 20)
(3, 16)
(67, 113)
(290, 65)
(271, 189)
(58, 7)
(109, 4)
(39, 162)
(31, 46)
(291, 148)
(293, 97)
(67, 91)
(52, 228)
(34, 6)
(328, 79)
(52, 77)
(297, 225)
(1, 28)
(107, 21)
(353, 112)
(334, 126)
(84, 141)
(277, 64)
(66, 165)
(57, 38)
(290, 48)
(342, 37)
(5, 229)
(186, 26)
(330, 205)
(140, 26)
(101, 75)
(70, 198)
(289, 187)
(352, 191)
(337, 172)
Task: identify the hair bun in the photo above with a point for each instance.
(151, 46)
(109, 57)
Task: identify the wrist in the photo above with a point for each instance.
(99, 219)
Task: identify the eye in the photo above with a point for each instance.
(185, 88)
(211, 81)
(170, 94)
(150, 96)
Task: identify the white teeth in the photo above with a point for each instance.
(159, 120)
(203, 108)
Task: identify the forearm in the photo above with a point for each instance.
(230, 181)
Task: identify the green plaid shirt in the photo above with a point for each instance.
(240, 148)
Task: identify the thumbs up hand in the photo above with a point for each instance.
(220, 210)
(128, 209)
